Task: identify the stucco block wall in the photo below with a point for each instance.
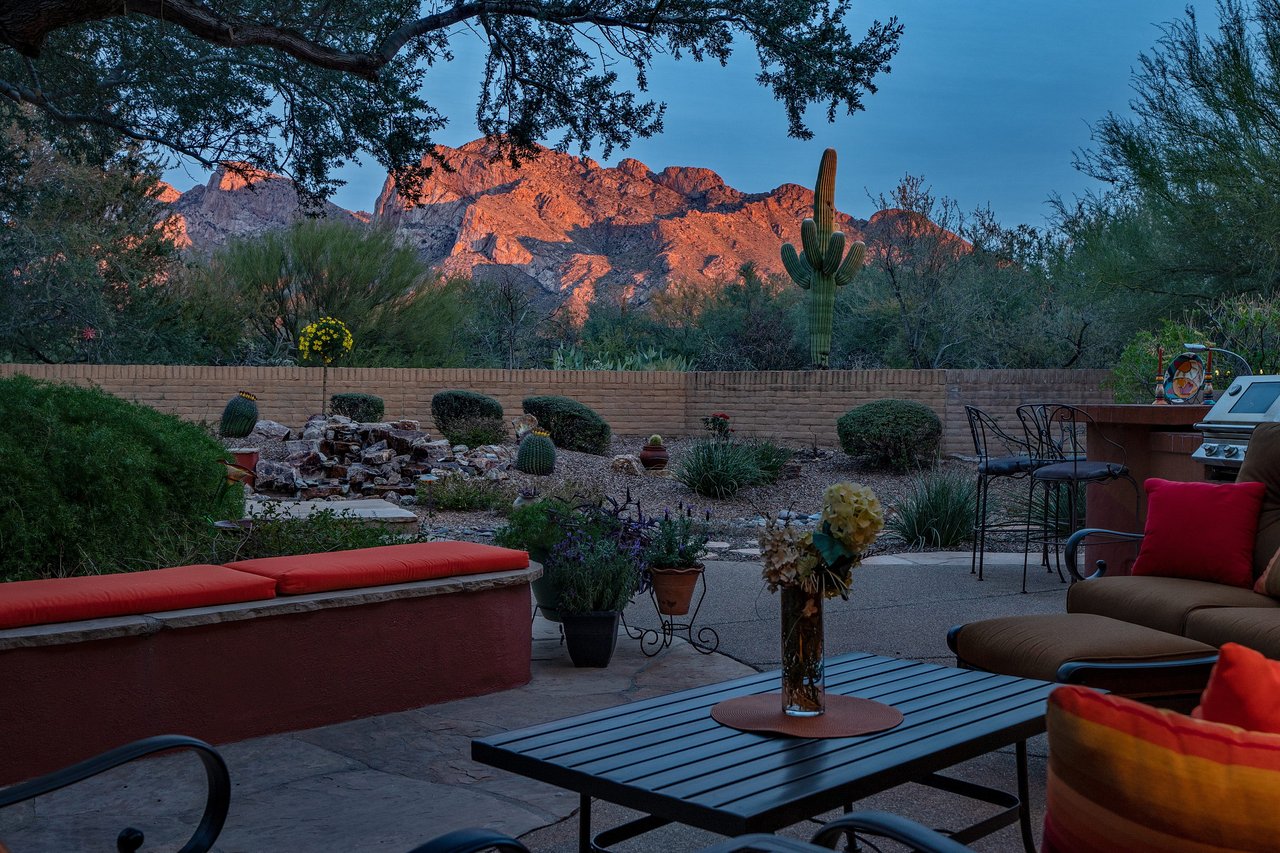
(796, 407)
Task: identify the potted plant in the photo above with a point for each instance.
(536, 527)
(672, 553)
(654, 454)
(597, 577)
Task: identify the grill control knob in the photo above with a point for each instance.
(1230, 451)
(1210, 449)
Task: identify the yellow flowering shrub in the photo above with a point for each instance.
(327, 339)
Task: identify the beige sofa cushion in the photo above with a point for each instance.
(1255, 627)
(1156, 602)
(1036, 646)
(1262, 465)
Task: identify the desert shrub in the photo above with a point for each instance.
(460, 492)
(95, 484)
(896, 434)
(771, 458)
(718, 469)
(937, 513)
(276, 535)
(365, 408)
(572, 425)
(452, 409)
(474, 432)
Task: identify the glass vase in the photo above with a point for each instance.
(803, 687)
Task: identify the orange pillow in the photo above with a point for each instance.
(1127, 777)
(1201, 531)
(45, 602)
(387, 564)
(1243, 690)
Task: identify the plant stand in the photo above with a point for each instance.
(652, 641)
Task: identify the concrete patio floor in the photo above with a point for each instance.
(392, 782)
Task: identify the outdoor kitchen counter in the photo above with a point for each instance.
(1158, 442)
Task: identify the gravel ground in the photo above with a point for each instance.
(733, 520)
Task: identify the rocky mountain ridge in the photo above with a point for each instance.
(562, 225)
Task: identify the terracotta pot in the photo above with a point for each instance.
(654, 456)
(246, 457)
(591, 637)
(673, 588)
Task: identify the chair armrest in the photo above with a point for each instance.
(884, 825)
(217, 801)
(471, 841)
(1077, 538)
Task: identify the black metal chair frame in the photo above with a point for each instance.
(217, 800)
(860, 824)
(1015, 461)
(1056, 433)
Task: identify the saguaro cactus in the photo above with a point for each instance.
(822, 266)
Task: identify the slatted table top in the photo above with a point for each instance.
(667, 757)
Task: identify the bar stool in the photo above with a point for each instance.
(1057, 433)
(999, 455)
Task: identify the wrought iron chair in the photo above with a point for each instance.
(876, 824)
(472, 841)
(1057, 433)
(999, 455)
(217, 801)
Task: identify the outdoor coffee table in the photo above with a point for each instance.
(667, 758)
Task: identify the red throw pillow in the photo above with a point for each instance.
(1243, 690)
(1201, 531)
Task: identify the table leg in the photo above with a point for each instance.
(1024, 798)
(584, 824)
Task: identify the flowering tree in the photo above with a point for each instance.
(325, 340)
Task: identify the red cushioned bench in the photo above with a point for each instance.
(255, 647)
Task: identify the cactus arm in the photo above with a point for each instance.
(814, 243)
(824, 192)
(835, 251)
(852, 263)
(797, 266)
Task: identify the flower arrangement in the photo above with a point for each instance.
(821, 561)
(808, 566)
(717, 423)
(326, 339)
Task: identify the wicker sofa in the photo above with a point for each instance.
(1143, 636)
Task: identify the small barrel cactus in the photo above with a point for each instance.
(240, 416)
(655, 440)
(537, 455)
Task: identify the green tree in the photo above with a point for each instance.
(85, 263)
(398, 311)
(752, 324)
(1194, 207)
(304, 86)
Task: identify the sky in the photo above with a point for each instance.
(988, 100)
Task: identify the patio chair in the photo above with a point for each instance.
(1056, 433)
(999, 455)
(472, 840)
(217, 800)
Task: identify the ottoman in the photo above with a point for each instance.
(1096, 651)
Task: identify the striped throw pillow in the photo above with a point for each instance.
(1128, 777)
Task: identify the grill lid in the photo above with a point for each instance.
(1249, 401)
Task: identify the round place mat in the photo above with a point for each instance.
(846, 716)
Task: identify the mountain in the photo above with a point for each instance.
(562, 225)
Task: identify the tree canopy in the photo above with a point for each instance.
(300, 87)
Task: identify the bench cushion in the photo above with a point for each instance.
(388, 564)
(1036, 646)
(1159, 603)
(1255, 627)
(97, 596)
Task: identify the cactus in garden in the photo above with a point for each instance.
(537, 455)
(240, 416)
(822, 266)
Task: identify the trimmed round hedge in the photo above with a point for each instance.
(900, 435)
(572, 425)
(95, 484)
(362, 408)
(468, 417)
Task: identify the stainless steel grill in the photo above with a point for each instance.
(1227, 428)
